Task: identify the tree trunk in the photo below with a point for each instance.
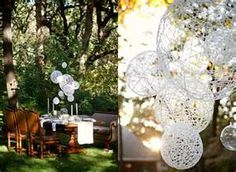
(11, 82)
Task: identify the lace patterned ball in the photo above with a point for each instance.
(196, 34)
(181, 146)
(173, 106)
(56, 100)
(70, 98)
(54, 76)
(144, 75)
(228, 137)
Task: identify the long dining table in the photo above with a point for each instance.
(70, 128)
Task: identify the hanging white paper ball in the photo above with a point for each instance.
(66, 80)
(56, 100)
(64, 64)
(68, 90)
(54, 75)
(76, 85)
(61, 94)
(173, 106)
(181, 146)
(144, 74)
(194, 34)
(70, 98)
(228, 137)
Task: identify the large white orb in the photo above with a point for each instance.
(144, 74)
(66, 79)
(54, 76)
(192, 35)
(56, 100)
(173, 106)
(181, 146)
(228, 137)
(68, 90)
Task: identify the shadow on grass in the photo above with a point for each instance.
(92, 160)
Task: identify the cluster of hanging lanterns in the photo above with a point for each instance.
(66, 83)
(194, 65)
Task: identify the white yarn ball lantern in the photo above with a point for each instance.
(61, 94)
(193, 34)
(76, 85)
(64, 65)
(66, 80)
(144, 74)
(70, 98)
(173, 106)
(228, 137)
(181, 146)
(54, 76)
(68, 90)
(56, 100)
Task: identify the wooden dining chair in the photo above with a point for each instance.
(37, 134)
(23, 131)
(11, 128)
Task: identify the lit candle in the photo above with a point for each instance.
(48, 106)
(71, 110)
(76, 108)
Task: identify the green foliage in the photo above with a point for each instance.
(36, 56)
(82, 162)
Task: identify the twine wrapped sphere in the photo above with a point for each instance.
(64, 65)
(66, 79)
(228, 137)
(54, 76)
(195, 34)
(61, 94)
(144, 75)
(173, 106)
(181, 146)
(70, 98)
(56, 100)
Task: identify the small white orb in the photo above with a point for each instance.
(228, 137)
(70, 98)
(64, 64)
(61, 94)
(76, 85)
(181, 146)
(56, 100)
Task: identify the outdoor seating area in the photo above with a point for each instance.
(26, 131)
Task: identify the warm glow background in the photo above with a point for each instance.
(138, 24)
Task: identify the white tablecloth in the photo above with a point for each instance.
(85, 132)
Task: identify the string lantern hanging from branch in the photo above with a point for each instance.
(144, 75)
(196, 36)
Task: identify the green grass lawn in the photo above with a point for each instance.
(92, 160)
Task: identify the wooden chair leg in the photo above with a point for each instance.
(41, 150)
(8, 141)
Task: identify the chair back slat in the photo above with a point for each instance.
(33, 122)
(21, 121)
(10, 119)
